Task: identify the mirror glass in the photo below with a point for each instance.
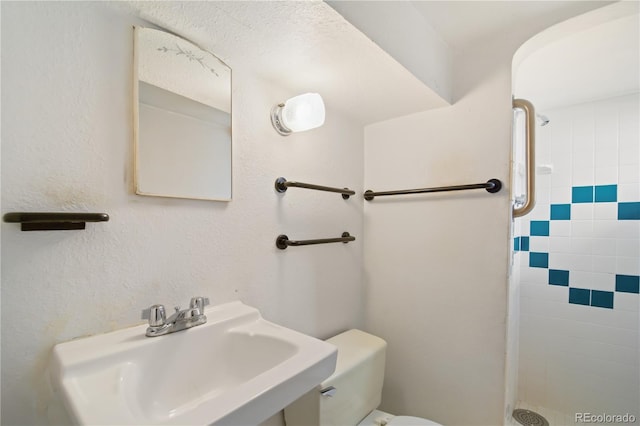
(183, 119)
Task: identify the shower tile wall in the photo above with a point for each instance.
(579, 258)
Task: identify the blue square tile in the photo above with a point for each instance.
(628, 211)
(539, 228)
(538, 260)
(558, 277)
(560, 211)
(579, 296)
(516, 244)
(628, 284)
(606, 193)
(582, 194)
(602, 299)
(524, 243)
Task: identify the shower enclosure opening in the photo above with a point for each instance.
(575, 304)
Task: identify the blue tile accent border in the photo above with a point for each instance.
(558, 277)
(582, 194)
(560, 211)
(628, 284)
(539, 228)
(538, 260)
(602, 299)
(579, 296)
(521, 244)
(629, 211)
(606, 193)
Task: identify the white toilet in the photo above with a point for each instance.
(349, 397)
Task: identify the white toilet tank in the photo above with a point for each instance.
(357, 380)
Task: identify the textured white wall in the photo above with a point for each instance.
(436, 265)
(67, 145)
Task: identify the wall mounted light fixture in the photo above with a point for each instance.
(300, 113)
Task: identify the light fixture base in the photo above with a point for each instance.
(276, 120)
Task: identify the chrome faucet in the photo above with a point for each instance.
(160, 325)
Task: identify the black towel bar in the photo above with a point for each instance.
(282, 184)
(282, 242)
(492, 185)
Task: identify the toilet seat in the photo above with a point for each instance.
(410, 421)
(380, 418)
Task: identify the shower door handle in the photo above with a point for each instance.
(530, 142)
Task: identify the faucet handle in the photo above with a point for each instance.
(155, 314)
(199, 302)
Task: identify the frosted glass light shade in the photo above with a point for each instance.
(300, 113)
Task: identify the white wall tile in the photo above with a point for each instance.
(582, 228)
(605, 228)
(560, 194)
(605, 211)
(580, 262)
(628, 192)
(580, 278)
(628, 248)
(581, 246)
(606, 264)
(560, 228)
(626, 301)
(628, 146)
(583, 176)
(561, 179)
(583, 155)
(541, 211)
(560, 244)
(539, 244)
(628, 229)
(628, 265)
(606, 156)
(583, 211)
(606, 175)
(543, 182)
(533, 274)
(603, 280)
(629, 173)
(604, 247)
(559, 261)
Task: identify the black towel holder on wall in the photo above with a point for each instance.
(492, 186)
(282, 242)
(52, 221)
(282, 185)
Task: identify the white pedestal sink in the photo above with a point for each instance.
(237, 369)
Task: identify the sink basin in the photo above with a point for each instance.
(237, 369)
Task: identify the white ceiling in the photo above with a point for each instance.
(301, 46)
(460, 23)
(308, 46)
(599, 62)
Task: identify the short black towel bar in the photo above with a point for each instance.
(282, 242)
(53, 221)
(492, 185)
(282, 184)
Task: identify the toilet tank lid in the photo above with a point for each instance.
(411, 421)
(354, 346)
